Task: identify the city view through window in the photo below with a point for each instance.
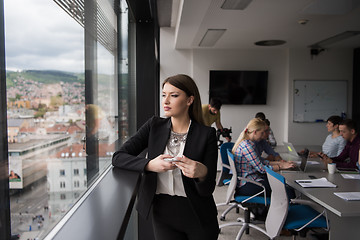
(50, 119)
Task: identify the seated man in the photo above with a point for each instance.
(211, 114)
(264, 146)
(271, 138)
(349, 132)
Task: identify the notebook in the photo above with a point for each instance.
(349, 196)
(319, 182)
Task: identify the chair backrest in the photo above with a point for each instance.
(232, 186)
(223, 152)
(279, 205)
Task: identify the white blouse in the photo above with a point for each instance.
(170, 182)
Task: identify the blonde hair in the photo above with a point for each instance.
(255, 124)
(188, 85)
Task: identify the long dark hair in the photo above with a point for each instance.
(188, 85)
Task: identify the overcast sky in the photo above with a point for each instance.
(40, 35)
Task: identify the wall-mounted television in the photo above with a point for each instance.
(239, 87)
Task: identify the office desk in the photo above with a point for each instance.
(344, 215)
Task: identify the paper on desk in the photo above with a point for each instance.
(350, 176)
(313, 162)
(320, 182)
(308, 162)
(350, 196)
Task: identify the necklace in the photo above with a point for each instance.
(175, 140)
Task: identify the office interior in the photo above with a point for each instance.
(166, 37)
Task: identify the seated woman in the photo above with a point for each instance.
(248, 163)
(334, 142)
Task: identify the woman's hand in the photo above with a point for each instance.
(191, 168)
(286, 165)
(313, 155)
(159, 165)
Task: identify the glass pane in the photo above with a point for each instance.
(49, 112)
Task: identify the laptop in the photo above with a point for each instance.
(303, 163)
(290, 153)
(290, 148)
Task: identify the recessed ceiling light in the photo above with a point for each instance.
(270, 43)
(211, 37)
(235, 4)
(334, 39)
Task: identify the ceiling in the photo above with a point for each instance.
(262, 20)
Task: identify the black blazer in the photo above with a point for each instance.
(200, 146)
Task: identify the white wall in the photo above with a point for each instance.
(283, 65)
(329, 65)
(237, 116)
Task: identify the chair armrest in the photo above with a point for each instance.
(304, 202)
(251, 181)
(225, 166)
(255, 195)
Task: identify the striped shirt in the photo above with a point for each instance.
(247, 162)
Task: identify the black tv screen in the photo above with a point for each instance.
(239, 87)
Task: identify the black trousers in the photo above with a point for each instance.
(174, 218)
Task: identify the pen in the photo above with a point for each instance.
(304, 181)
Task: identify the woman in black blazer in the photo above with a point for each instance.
(180, 169)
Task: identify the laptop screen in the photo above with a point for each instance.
(304, 158)
(290, 148)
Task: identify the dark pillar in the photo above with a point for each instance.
(92, 142)
(5, 226)
(356, 89)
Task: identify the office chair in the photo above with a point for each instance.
(225, 176)
(247, 203)
(294, 216)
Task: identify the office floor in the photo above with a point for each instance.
(230, 233)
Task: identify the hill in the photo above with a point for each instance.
(45, 76)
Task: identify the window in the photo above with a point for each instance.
(72, 118)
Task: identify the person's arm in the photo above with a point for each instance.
(206, 185)
(341, 146)
(127, 156)
(218, 124)
(282, 164)
(218, 121)
(273, 158)
(340, 160)
(271, 138)
(220, 127)
(270, 151)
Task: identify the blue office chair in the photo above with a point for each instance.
(244, 202)
(294, 216)
(300, 215)
(225, 175)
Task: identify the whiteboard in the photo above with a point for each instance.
(316, 100)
